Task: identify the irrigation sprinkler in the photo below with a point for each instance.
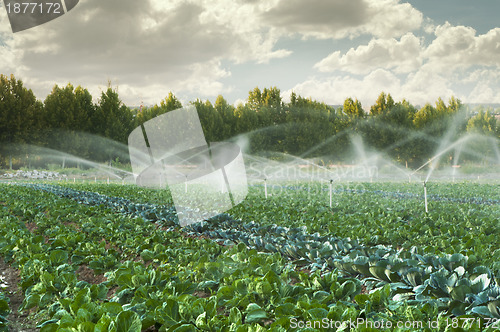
(331, 193)
(108, 180)
(123, 182)
(265, 187)
(74, 180)
(95, 179)
(186, 185)
(425, 197)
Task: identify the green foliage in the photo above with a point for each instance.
(20, 117)
(190, 282)
(382, 104)
(264, 124)
(4, 311)
(484, 122)
(353, 108)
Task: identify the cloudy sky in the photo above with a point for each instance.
(325, 49)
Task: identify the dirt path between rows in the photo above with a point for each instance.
(18, 322)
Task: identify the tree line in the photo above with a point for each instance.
(69, 121)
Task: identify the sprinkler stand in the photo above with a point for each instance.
(425, 197)
(331, 185)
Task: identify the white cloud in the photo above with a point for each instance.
(456, 58)
(335, 90)
(486, 86)
(451, 41)
(459, 47)
(419, 88)
(488, 48)
(426, 86)
(392, 19)
(338, 19)
(152, 47)
(143, 44)
(402, 56)
(8, 54)
(484, 93)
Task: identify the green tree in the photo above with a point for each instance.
(308, 126)
(269, 98)
(144, 114)
(353, 109)
(485, 146)
(114, 121)
(210, 120)
(382, 104)
(484, 122)
(170, 103)
(425, 116)
(226, 112)
(68, 114)
(20, 118)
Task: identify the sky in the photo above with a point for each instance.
(329, 50)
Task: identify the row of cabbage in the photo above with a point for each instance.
(164, 279)
(447, 281)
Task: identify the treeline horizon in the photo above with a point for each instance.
(68, 116)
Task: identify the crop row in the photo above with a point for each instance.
(447, 281)
(448, 228)
(89, 268)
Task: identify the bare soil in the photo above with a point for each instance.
(18, 322)
(85, 273)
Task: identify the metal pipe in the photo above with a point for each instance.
(331, 194)
(425, 197)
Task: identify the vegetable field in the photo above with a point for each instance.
(99, 257)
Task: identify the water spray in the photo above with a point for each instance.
(425, 197)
